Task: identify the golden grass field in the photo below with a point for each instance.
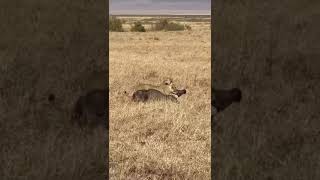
(160, 140)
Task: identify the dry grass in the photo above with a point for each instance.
(160, 140)
(271, 51)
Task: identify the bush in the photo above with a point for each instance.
(174, 27)
(115, 24)
(187, 26)
(164, 24)
(138, 27)
(161, 25)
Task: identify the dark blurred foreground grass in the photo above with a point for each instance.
(271, 51)
(49, 47)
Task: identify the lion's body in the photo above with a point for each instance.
(165, 89)
(152, 95)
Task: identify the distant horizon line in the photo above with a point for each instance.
(122, 14)
(207, 14)
(160, 12)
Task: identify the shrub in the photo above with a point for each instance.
(161, 25)
(164, 24)
(174, 27)
(138, 27)
(115, 24)
(187, 26)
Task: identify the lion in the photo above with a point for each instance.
(166, 87)
(152, 95)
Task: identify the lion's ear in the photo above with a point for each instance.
(167, 81)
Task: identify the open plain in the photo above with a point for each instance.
(160, 140)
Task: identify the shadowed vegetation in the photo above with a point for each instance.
(138, 27)
(270, 50)
(165, 25)
(115, 24)
(48, 48)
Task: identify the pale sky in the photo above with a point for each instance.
(150, 7)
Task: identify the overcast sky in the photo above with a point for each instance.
(160, 7)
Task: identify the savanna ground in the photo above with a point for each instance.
(160, 140)
(271, 51)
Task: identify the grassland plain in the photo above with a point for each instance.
(160, 140)
(271, 51)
